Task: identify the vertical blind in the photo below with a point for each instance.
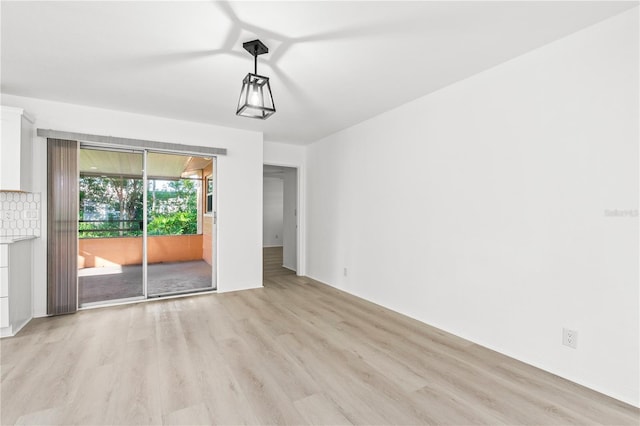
(62, 226)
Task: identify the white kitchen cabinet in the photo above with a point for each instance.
(4, 286)
(4, 314)
(4, 282)
(16, 287)
(15, 150)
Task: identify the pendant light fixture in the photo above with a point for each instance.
(255, 100)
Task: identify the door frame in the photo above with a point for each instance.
(214, 250)
(300, 216)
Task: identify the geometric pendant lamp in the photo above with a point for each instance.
(255, 100)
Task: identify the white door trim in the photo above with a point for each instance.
(300, 216)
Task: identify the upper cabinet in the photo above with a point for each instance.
(15, 150)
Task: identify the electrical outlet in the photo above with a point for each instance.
(7, 215)
(344, 271)
(570, 338)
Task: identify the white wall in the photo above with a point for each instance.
(480, 208)
(239, 180)
(281, 154)
(290, 205)
(272, 207)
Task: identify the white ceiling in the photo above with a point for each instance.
(332, 64)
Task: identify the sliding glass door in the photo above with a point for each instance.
(110, 231)
(176, 256)
(146, 224)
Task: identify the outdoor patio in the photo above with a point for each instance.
(107, 283)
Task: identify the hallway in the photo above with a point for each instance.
(272, 263)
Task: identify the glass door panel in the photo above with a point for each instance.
(178, 250)
(110, 225)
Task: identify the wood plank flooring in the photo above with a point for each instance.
(294, 352)
(272, 263)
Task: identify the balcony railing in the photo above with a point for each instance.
(132, 228)
(100, 252)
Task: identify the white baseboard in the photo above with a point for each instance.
(11, 331)
(289, 268)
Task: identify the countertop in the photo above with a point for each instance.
(11, 240)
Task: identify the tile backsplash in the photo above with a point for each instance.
(19, 214)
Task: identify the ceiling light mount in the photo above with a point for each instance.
(256, 100)
(255, 47)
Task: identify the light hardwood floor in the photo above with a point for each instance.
(294, 352)
(272, 263)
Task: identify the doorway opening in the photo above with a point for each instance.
(146, 224)
(280, 220)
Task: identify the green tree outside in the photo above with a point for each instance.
(113, 207)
